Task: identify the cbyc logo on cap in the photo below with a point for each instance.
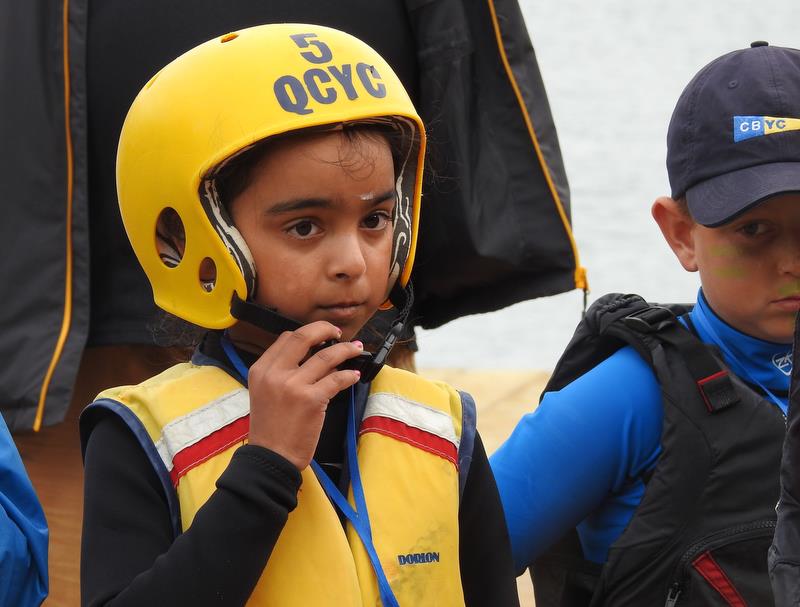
(747, 127)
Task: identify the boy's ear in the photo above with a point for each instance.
(678, 227)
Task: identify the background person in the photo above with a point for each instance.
(23, 532)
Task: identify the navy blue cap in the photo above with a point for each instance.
(734, 137)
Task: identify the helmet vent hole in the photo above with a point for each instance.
(229, 37)
(208, 274)
(170, 237)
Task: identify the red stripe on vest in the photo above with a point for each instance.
(714, 575)
(208, 447)
(413, 436)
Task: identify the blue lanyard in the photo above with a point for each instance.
(358, 517)
(234, 358)
(699, 315)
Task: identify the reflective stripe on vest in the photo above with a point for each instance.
(192, 438)
(411, 422)
(407, 451)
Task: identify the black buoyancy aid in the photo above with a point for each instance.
(701, 533)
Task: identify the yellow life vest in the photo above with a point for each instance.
(195, 417)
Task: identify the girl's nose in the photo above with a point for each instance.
(347, 257)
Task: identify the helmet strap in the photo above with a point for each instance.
(402, 298)
(261, 316)
(368, 364)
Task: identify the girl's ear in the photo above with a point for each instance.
(678, 229)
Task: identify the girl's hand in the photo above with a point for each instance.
(289, 395)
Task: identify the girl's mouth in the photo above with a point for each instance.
(343, 310)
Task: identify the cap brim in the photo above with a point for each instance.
(719, 200)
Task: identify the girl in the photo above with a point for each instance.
(269, 184)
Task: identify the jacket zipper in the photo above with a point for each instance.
(673, 595)
(742, 532)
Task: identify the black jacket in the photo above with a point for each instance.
(784, 555)
(469, 66)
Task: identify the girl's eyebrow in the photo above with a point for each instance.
(302, 204)
(373, 201)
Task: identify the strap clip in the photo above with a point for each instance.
(649, 320)
(717, 391)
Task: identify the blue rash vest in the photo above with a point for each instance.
(578, 459)
(23, 531)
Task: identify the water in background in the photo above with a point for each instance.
(613, 71)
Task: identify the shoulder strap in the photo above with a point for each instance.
(615, 320)
(653, 326)
(465, 444)
(591, 343)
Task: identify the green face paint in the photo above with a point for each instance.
(730, 272)
(790, 289)
(725, 250)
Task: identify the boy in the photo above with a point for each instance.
(269, 182)
(649, 473)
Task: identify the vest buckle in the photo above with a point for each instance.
(649, 320)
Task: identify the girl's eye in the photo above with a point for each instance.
(376, 220)
(303, 229)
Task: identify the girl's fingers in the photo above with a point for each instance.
(291, 347)
(326, 360)
(333, 383)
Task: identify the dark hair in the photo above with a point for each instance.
(235, 175)
(683, 206)
(170, 331)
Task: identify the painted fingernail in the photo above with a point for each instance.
(358, 374)
(359, 344)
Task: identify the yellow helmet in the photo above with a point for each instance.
(218, 100)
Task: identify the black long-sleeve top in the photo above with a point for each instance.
(130, 557)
